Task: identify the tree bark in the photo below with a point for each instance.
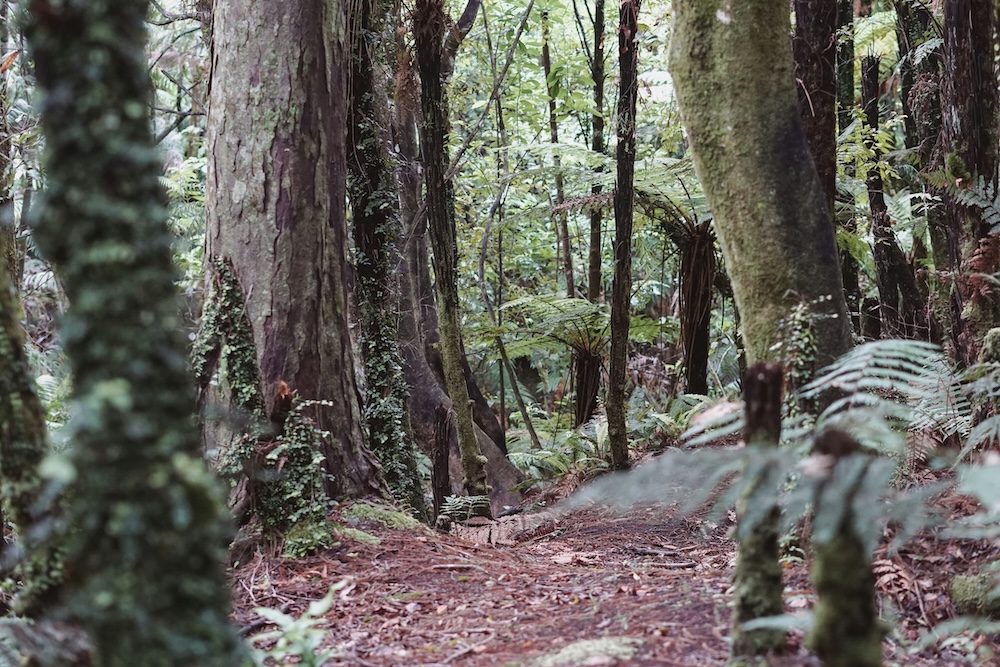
(845, 115)
(751, 155)
(418, 315)
(275, 201)
(969, 102)
(376, 228)
(621, 296)
(429, 27)
(757, 578)
(145, 557)
(562, 228)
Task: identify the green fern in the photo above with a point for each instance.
(982, 195)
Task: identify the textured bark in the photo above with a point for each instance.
(145, 557)
(814, 49)
(757, 587)
(429, 23)
(698, 269)
(376, 227)
(276, 192)
(969, 103)
(621, 297)
(751, 156)
(901, 304)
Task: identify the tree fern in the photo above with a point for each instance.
(981, 195)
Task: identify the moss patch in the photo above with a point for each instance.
(358, 535)
(362, 512)
(976, 594)
(590, 651)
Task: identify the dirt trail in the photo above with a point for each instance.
(653, 586)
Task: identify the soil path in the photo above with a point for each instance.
(652, 586)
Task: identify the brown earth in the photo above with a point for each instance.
(660, 581)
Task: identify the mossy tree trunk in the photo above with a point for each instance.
(757, 586)
(969, 105)
(145, 559)
(433, 59)
(418, 314)
(276, 209)
(621, 297)
(742, 118)
(376, 227)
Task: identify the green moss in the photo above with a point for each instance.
(358, 535)
(976, 594)
(361, 512)
(591, 651)
(309, 536)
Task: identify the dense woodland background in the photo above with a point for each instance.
(442, 255)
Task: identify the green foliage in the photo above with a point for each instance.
(362, 512)
(981, 194)
(289, 479)
(308, 536)
(298, 641)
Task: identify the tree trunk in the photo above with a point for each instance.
(376, 227)
(845, 115)
(429, 27)
(814, 49)
(901, 304)
(969, 102)
(757, 586)
(621, 296)
(562, 228)
(698, 268)
(596, 145)
(276, 188)
(751, 155)
(145, 557)
(418, 316)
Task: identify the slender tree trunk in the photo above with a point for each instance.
(750, 152)
(596, 145)
(418, 316)
(562, 228)
(698, 268)
(9, 257)
(845, 111)
(969, 101)
(275, 201)
(900, 301)
(376, 227)
(429, 26)
(624, 202)
(147, 551)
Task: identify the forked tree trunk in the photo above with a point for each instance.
(621, 296)
(750, 153)
(275, 201)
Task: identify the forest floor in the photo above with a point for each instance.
(652, 586)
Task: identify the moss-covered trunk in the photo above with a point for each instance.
(376, 227)
(742, 118)
(757, 586)
(276, 208)
(429, 26)
(145, 559)
(621, 297)
(418, 315)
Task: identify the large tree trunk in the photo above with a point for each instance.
(969, 101)
(621, 297)
(376, 227)
(145, 556)
(275, 200)
(750, 153)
